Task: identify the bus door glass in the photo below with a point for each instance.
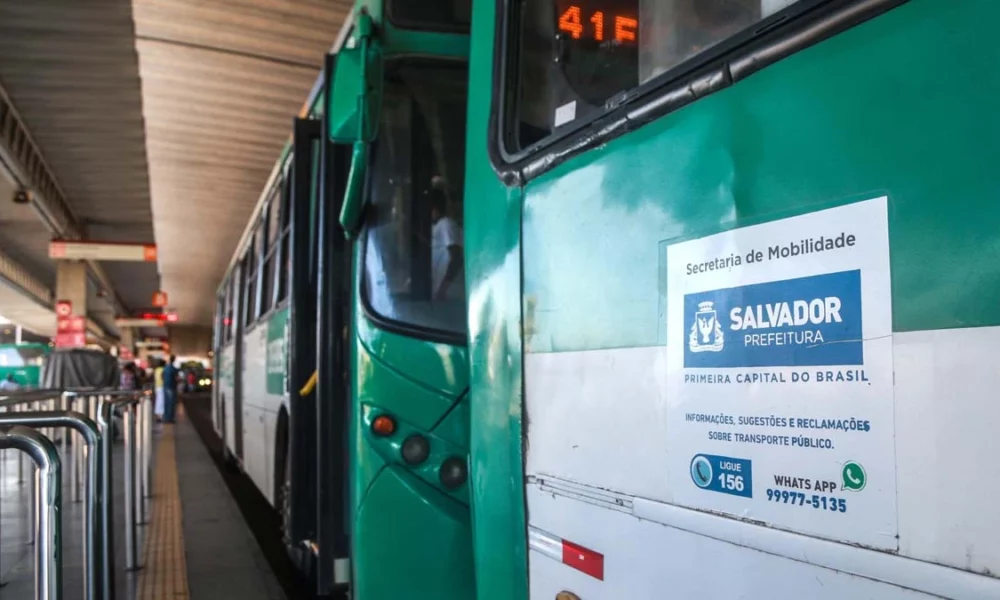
(413, 267)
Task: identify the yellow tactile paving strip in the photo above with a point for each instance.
(164, 568)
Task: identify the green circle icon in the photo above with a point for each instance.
(854, 476)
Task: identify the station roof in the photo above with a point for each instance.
(158, 121)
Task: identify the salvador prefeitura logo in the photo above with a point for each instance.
(706, 331)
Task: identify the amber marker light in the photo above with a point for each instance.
(383, 426)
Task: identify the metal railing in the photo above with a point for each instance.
(91, 414)
(92, 456)
(47, 503)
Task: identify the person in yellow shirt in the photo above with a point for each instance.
(158, 387)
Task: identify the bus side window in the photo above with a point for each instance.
(249, 280)
(285, 259)
(272, 224)
(230, 311)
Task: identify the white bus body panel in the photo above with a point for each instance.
(224, 381)
(596, 425)
(261, 410)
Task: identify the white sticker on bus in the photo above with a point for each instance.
(779, 374)
(565, 113)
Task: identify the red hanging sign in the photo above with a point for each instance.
(71, 330)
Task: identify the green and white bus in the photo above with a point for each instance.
(24, 362)
(733, 272)
(731, 323)
(342, 386)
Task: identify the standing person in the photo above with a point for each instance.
(141, 377)
(158, 389)
(447, 269)
(170, 374)
(129, 380)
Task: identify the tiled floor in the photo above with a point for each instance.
(164, 573)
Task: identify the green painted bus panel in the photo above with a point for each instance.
(438, 367)
(493, 277)
(412, 542)
(454, 427)
(903, 106)
(410, 537)
(417, 382)
(12, 362)
(900, 106)
(389, 448)
(384, 386)
(26, 377)
(401, 42)
(275, 352)
(493, 282)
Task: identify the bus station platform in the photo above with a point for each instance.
(193, 541)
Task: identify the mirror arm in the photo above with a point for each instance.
(350, 211)
(362, 99)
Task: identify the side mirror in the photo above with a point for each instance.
(353, 98)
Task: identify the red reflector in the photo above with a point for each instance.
(583, 559)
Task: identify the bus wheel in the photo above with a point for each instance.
(227, 456)
(283, 502)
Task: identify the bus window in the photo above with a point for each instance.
(249, 278)
(442, 15)
(285, 259)
(30, 356)
(267, 282)
(230, 310)
(9, 358)
(274, 216)
(580, 57)
(271, 257)
(21, 356)
(219, 328)
(414, 271)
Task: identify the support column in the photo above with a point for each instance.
(128, 340)
(71, 284)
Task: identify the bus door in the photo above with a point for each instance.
(332, 356)
(302, 316)
(320, 309)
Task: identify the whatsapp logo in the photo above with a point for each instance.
(854, 476)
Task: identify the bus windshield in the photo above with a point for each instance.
(578, 57)
(21, 356)
(414, 266)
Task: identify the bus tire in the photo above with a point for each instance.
(283, 503)
(228, 459)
